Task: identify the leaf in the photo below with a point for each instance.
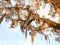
(22, 28)
(1, 18)
(46, 37)
(53, 31)
(32, 37)
(13, 23)
(26, 34)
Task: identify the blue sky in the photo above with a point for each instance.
(16, 37)
(11, 37)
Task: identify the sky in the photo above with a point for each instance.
(14, 36)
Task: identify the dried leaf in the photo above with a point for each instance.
(26, 34)
(32, 37)
(1, 18)
(46, 37)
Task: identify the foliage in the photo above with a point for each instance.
(25, 15)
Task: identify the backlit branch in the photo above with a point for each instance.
(25, 15)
